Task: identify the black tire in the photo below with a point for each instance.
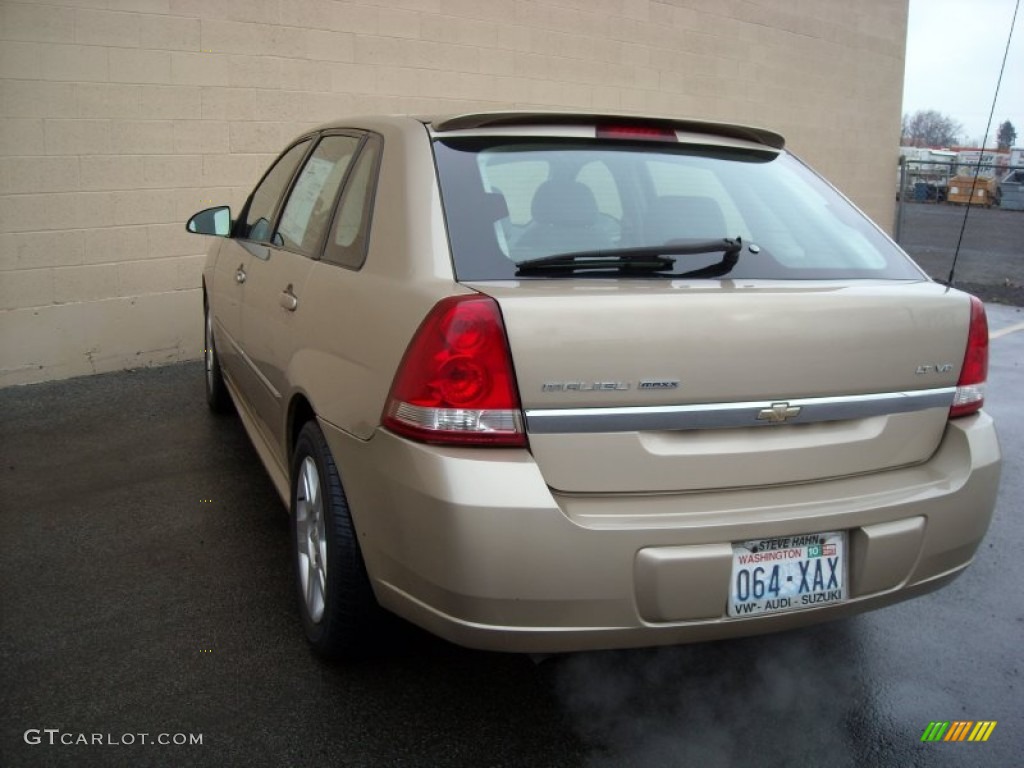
(217, 397)
(348, 622)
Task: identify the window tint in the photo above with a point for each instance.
(671, 180)
(507, 201)
(598, 177)
(537, 189)
(264, 200)
(311, 201)
(347, 244)
(517, 180)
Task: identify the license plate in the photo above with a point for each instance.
(787, 573)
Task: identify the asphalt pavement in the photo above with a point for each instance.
(991, 259)
(146, 590)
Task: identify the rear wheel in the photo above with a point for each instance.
(339, 612)
(217, 396)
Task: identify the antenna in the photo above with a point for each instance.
(981, 153)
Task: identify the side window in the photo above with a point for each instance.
(308, 210)
(517, 180)
(347, 243)
(673, 179)
(268, 193)
(596, 175)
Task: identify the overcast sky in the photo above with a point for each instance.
(954, 50)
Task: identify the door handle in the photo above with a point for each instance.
(240, 274)
(288, 299)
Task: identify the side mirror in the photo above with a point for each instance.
(212, 221)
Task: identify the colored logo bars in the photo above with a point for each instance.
(958, 730)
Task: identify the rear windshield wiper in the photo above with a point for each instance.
(647, 258)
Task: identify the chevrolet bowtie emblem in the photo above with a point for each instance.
(778, 413)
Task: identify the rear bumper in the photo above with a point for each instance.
(472, 544)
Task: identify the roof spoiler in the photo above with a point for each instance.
(508, 119)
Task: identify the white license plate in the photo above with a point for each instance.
(787, 573)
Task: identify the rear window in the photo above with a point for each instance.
(508, 201)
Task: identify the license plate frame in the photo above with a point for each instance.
(788, 573)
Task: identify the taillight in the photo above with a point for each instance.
(455, 384)
(970, 390)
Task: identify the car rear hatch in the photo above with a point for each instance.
(689, 307)
(658, 387)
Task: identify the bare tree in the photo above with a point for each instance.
(929, 128)
(1006, 136)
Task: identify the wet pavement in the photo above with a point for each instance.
(146, 590)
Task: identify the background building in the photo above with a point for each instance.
(120, 118)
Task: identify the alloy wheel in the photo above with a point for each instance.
(311, 539)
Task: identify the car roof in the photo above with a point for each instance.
(471, 121)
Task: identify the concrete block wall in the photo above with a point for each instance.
(120, 118)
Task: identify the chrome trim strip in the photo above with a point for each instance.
(730, 415)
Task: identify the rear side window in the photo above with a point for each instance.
(347, 243)
(265, 198)
(311, 201)
(508, 201)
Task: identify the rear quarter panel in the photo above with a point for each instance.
(356, 324)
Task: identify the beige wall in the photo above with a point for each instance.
(119, 118)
